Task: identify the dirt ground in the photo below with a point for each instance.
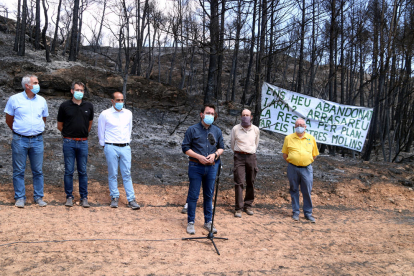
(350, 237)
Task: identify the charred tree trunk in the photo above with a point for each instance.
(18, 27)
(271, 38)
(37, 27)
(214, 39)
(259, 77)
(233, 77)
(98, 37)
(44, 32)
(78, 37)
(74, 34)
(251, 55)
(53, 47)
(22, 40)
(301, 47)
(220, 51)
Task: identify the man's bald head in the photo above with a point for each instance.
(300, 122)
(246, 112)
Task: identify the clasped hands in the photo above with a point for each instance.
(209, 160)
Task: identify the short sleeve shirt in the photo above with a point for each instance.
(28, 113)
(300, 151)
(75, 118)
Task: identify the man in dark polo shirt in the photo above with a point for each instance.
(75, 121)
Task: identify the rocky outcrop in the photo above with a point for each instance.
(141, 93)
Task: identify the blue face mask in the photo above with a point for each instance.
(119, 106)
(300, 130)
(35, 89)
(208, 119)
(78, 95)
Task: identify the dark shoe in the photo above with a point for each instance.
(40, 202)
(69, 202)
(238, 214)
(19, 203)
(184, 210)
(295, 217)
(114, 202)
(190, 228)
(207, 226)
(310, 218)
(248, 211)
(84, 203)
(134, 205)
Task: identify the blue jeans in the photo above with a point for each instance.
(302, 177)
(205, 175)
(75, 150)
(21, 148)
(119, 156)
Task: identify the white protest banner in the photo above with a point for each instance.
(330, 123)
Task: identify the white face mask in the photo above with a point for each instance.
(300, 130)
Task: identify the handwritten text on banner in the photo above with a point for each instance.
(330, 123)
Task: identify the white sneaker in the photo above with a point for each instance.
(207, 226)
(190, 228)
(185, 208)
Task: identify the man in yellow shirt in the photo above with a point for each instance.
(244, 142)
(300, 150)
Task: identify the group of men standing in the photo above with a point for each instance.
(26, 115)
(203, 143)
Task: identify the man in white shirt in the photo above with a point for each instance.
(244, 142)
(114, 132)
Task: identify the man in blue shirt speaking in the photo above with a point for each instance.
(203, 143)
(26, 114)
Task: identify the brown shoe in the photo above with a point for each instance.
(238, 213)
(248, 211)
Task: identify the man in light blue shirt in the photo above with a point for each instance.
(26, 115)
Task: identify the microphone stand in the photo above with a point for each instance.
(210, 235)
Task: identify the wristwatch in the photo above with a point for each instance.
(216, 156)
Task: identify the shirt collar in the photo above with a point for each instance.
(114, 110)
(245, 129)
(303, 137)
(27, 97)
(71, 100)
(202, 126)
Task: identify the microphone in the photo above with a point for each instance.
(211, 139)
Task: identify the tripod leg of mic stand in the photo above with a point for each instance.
(210, 235)
(212, 240)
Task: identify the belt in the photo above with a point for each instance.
(118, 145)
(196, 161)
(300, 166)
(242, 152)
(76, 139)
(33, 136)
